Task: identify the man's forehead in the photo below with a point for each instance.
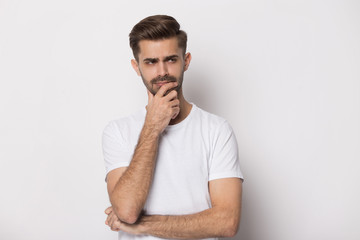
(159, 48)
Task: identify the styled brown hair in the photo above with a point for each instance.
(155, 28)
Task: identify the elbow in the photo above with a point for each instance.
(231, 228)
(126, 211)
(126, 215)
(230, 232)
(131, 219)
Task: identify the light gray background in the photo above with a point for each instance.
(284, 73)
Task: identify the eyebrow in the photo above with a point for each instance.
(157, 59)
(170, 57)
(150, 60)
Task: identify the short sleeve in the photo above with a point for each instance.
(224, 161)
(115, 150)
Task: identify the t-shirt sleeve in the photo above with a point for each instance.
(115, 150)
(225, 159)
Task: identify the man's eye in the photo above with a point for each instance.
(172, 60)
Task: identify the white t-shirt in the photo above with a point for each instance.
(191, 153)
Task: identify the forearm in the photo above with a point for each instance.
(206, 224)
(128, 195)
(130, 192)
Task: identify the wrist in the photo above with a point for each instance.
(143, 225)
(153, 224)
(151, 130)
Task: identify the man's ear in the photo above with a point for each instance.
(187, 60)
(135, 66)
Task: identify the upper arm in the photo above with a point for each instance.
(113, 177)
(225, 194)
(117, 153)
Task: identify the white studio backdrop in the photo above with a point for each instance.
(284, 73)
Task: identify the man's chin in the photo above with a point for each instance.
(154, 92)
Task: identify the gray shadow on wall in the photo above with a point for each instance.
(200, 88)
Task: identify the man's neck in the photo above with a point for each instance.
(185, 109)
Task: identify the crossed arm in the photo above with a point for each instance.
(221, 220)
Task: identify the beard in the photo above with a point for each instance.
(150, 85)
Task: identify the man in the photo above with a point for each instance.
(172, 170)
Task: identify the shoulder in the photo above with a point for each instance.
(211, 121)
(125, 126)
(133, 119)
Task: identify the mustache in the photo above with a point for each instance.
(166, 78)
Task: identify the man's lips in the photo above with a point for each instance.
(160, 83)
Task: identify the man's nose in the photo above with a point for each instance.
(162, 69)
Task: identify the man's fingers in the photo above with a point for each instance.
(107, 222)
(116, 226)
(112, 218)
(171, 95)
(175, 103)
(108, 210)
(115, 223)
(176, 112)
(165, 88)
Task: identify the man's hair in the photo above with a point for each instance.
(156, 27)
